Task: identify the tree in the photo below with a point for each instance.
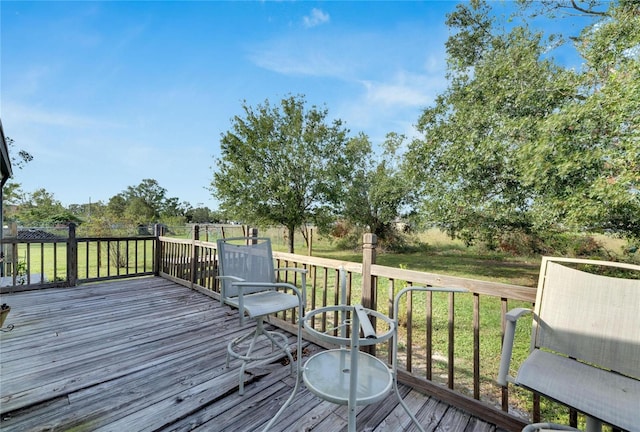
(39, 208)
(21, 157)
(517, 142)
(12, 192)
(65, 217)
(146, 203)
(469, 160)
(585, 164)
(116, 207)
(380, 192)
(283, 165)
(88, 210)
(204, 215)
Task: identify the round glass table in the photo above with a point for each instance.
(346, 375)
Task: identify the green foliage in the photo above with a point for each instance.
(65, 217)
(518, 145)
(585, 164)
(144, 204)
(380, 192)
(203, 215)
(12, 193)
(41, 208)
(96, 227)
(20, 157)
(283, 165)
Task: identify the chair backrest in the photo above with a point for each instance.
(247, 258)
(590, 317)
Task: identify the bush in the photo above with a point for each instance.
(588, 247)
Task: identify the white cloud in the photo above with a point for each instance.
(316, 18)
(309, 63)
(393, 104)
(25, 114)
(300, 57)
(403, 90)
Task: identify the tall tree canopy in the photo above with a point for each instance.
(380, 192)
(518, 142)
(585, 162)
(12, 192)
(284, 164)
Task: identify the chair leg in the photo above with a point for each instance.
(273, 337)
(282, 345)
(298, 372)
(246, 358)
(404, 405)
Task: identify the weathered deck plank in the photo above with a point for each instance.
(149, 355)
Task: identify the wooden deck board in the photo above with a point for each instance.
(149, 355)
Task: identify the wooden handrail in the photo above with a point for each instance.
(192, 262)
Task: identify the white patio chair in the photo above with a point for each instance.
(585, 342)
(248, 282)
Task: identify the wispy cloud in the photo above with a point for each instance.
(32, 79)
(310, 64)
(26, 114)
(316, 18)
(403, 90)
(393, 104)
(299, 57)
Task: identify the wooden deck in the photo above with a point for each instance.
(149, 355)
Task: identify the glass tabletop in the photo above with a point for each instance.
(327, 374)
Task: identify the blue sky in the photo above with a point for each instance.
(105, 94)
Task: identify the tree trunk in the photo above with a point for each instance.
(291, 230)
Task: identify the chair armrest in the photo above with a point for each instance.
(396, 300)
(515, 314)
(507, 344)
(232, 278)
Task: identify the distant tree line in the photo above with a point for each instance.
(143, 204)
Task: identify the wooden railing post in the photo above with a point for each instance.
(369, 297)
(72, 256)
(158, 231)
(194, 255)
(252, 232)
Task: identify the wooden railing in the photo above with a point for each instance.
(59, 262)
(444, 337)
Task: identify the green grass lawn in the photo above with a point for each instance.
(114, 258)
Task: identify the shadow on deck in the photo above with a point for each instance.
(147, 354)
